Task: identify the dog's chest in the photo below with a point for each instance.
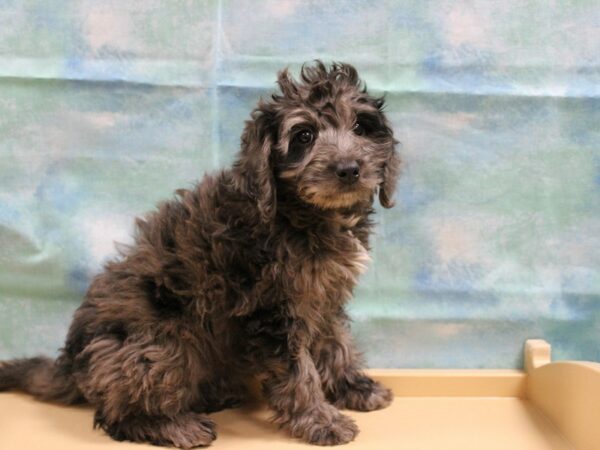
(326, 275)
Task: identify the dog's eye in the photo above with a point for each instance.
(358, 129)
(305, 137)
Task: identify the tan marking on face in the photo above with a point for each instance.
(342, 200)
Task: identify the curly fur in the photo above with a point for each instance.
(244, 276)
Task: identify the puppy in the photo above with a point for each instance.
(245, 276)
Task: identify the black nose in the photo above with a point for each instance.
(347, 171)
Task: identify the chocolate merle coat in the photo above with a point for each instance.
(244, 276)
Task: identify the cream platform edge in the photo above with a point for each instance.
(547, 406)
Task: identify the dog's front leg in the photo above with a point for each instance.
(344, 383)
(294, 391)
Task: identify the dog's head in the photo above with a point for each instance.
(324, 138)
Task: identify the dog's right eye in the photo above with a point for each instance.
(305, 137)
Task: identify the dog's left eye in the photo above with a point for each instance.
(358, 129)
(305, 136)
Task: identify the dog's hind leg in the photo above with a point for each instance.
(144, 389)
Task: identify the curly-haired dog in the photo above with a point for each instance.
(244, 276)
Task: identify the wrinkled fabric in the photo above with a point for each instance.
(107, 107)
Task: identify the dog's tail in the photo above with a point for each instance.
(45, 378)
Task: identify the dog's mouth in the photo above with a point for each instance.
(341, 200)
(323, 187)
(336, 195)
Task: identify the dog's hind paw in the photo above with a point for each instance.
(185, 431)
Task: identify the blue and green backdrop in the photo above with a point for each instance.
(108, 106)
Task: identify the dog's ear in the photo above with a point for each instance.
(391, 171)
(391, 167)
(253, 171)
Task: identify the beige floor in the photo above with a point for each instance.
(411, 423)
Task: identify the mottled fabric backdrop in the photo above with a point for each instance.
(106, 107)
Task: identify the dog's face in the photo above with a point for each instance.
(334, 146)
(324, 138)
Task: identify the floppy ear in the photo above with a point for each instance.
(253, 171)
(391, 171)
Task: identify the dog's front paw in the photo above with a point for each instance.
(340, 430)
(326, 426)
(364, 394)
